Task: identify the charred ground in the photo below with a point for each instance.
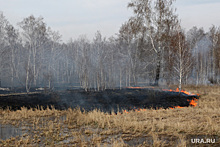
(107, 101)
(72, 127)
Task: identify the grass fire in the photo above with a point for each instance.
(128, 125)
(151, 83)
(107, 100)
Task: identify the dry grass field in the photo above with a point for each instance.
(162, 127)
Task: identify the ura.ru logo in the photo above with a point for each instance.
(196, 140)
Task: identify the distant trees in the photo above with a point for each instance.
(214, 55)
(148, 47)
(13, 44)
(101, 53)
(3, 24)
(194, 36)
(129, 50)
(182, 57)
(205, 49)
(35, 35)
(155, 21)
(10, 43)
(53, 41)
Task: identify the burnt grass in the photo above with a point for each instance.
(108, 100)
(148, 127)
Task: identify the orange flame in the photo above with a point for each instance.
(126, 111)
(177, 90)
(193, 102)
(182, 91)
(176, 107)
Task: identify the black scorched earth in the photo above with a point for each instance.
(108, 100)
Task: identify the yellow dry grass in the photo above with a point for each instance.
(162, 127)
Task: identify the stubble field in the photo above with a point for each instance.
(72, 127)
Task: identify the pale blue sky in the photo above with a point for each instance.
(78, 17)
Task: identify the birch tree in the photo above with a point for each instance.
(129, 51)
(3, 51)
(53, 54)
(34, 34)
(214, 35)
(84, 62)
(182, 57)
(13, 42)
(155, 19)
(194, 35)
(100, 56)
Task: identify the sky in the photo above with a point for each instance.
(73, 18)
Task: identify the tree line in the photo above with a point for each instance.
(150, 48)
